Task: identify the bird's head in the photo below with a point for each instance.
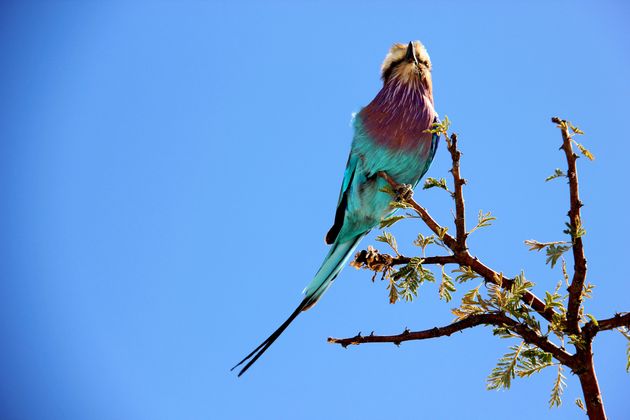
(407, 63)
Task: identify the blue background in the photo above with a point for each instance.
(169, 169)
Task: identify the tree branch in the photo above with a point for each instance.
(616, 321)
(449, 241)
(458, 195)
(575, 222)
(373, 260)
(495, 318)
(462, 256)
(592, 328)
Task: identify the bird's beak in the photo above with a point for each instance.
(411, 54)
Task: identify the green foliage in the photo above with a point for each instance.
(523, 361)
(592, 319)
(472, 303)
(580, 404)
(404, 282)
(446, 287)
(385, 223)
(483, 220)
(554, 301)
(432, 182)
(533, 360)
(465, 273)
(575, 232)
(441, 127)
(389, 239)
(505, 370)
(539, 246)
(442, 232)
(393, 291)
(510, 300)
(424, 241)
(587, 291)
(556, 174)
(584, 151)
(554, 252)
(575, 129)
(577, 341)
(400, 205)
(558, 388)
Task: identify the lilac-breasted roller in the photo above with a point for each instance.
(390, 135)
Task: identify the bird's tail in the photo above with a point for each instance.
(333, 263)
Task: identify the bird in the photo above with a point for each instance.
(391, 136)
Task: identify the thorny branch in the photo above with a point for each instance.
(579, 273)
(498, 319)
(458, 245)
(591, 328)
(580, 363)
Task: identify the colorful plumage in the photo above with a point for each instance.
(390, 136)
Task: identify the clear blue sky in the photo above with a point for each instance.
(169, 169)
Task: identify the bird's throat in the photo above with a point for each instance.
(400, 114)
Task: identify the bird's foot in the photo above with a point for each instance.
(404, 192)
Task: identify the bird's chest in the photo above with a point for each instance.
(403, 154)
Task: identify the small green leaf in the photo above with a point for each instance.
(432, 182)
(580, 404)
(533, 360)
(446, 287)
(400, 205)
(472, 303)
(483, 220)
(554, 252)
(576, 232)
(558, 389)
(385, 223)
(393, 292)
(502, 375)
(575, 129)
(440, 127)
(442, 232)
(466, 273)
(593, 319)
(556, 174)
(584, 151)
(389, 239)
(424, 241)
(587, 290)
(538, 246)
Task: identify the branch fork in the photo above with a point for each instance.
(580, 363)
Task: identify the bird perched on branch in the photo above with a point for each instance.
(390, 136)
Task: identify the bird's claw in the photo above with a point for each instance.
(404, 192)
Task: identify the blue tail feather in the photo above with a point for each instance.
(334, 262)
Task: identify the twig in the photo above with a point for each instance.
(575, 221)
(592, 328)
(495, 318)
(374, 260)
(458, 182)
(448, 240)
(463, 257)
(584, 351)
